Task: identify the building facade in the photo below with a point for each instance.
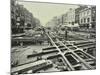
(71, 16)
(87, 17)
(64, 19)
(13, 16)
(77, 10)
(21, 18)
(93, 22)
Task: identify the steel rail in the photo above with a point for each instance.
(85, 63)
(67, 62)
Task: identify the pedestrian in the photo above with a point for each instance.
(66, 34)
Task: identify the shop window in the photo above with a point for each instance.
(72, 23)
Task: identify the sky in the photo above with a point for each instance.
(46, 11)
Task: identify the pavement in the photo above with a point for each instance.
(21, 54)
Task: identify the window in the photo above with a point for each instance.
(84, 20)
(81, 21)
(72, 23)
(88, 19)
(88, 12)
(93, 19)
(28, 25)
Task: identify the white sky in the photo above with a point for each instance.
(46, 11)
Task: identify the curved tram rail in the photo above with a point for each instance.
(75, 58)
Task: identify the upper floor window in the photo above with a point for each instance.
(87, 12)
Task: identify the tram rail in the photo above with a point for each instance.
(68, 50)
